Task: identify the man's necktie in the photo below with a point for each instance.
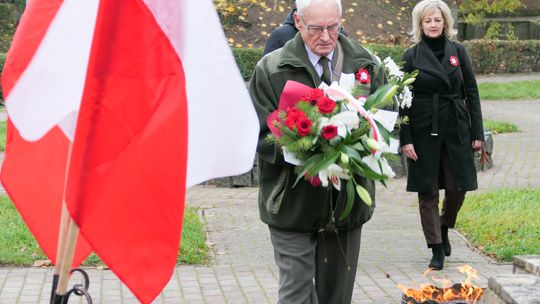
(326, 75)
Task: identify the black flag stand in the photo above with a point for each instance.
(77, 289)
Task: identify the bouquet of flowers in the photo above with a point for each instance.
(333, 133)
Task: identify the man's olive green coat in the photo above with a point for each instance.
(302, 208)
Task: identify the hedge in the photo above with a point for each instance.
(2, 59)
(504, 56)
(488, 56)
(248, 58)
(7, 27)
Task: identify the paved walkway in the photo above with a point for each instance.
(393, 249)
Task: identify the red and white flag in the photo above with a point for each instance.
(150, 97)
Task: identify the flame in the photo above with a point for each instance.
(448, 292)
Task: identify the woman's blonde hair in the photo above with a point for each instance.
(425, 7)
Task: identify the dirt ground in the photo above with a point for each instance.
(381, 21)
(375, 21)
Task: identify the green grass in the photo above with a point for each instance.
(2, 135)
(19, 248)
(498, 126)
(514, 90)
(502, 223)
(194, 249)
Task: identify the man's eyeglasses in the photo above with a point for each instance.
(318, 30)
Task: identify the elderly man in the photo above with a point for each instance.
(317, 254)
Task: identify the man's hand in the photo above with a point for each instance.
(408, 150)
(476, 145)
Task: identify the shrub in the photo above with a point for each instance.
(487, 56)
(248, 58)
(7, 25)
(504, 56)
(383, 51)
(2, 59)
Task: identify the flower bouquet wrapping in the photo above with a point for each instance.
(335, 134)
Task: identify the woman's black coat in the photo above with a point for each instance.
(441, 115)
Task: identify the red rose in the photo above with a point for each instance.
(303, 125)
(313, 95)
(293, 115)
(315, 181)
(329, 132)
(363, 76)
(326, 105)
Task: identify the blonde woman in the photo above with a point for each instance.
(445, 124)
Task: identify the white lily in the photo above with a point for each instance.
(393, 68)
(344, 121)
(348, 118)
(406, 97)
(334, 174)
(347, 81)
(373, 163)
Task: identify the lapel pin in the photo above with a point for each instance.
(454, 61)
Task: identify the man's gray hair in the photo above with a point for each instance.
(303, 4)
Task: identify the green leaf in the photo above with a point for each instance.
(325, 162)
(364, 195)
(359, 146)
(375, 98)
(385, 134)
(352, 153)
(335, 141)
(389, 94)
(312, 160)
(367, 172)
(285, 130)
(350, 200)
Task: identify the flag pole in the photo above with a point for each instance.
(67, 260)
(62, 234)
(64, 223)
(67, 242)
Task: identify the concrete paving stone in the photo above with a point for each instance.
(192, 290)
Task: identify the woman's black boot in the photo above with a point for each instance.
(445, 241)
(437, 261)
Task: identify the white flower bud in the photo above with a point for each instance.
(344, 158)
(408, 81)
(372, 144)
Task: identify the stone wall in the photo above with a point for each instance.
(521, 287)
(525, 28)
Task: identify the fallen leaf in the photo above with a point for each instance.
(42, 263)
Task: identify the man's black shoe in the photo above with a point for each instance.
(445, 241)
(437, 261)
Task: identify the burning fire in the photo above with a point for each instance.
(449, 292)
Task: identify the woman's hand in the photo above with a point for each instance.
(476, 145)
(408, 150)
